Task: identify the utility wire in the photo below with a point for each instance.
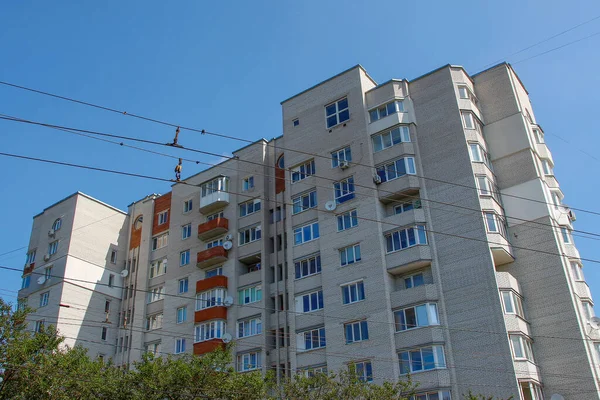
(557, 48)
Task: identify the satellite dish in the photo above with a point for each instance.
(227, 245)
(228, 301)
(557, 396)
(41, 280)
(227, 337)
(330, 205)
(124, 273)
(595, 323)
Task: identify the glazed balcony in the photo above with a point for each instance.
(28, 268)
(212, 228)
(216, 312)
(210, 257)
(211, 283)
(207, 346)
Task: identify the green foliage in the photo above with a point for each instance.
(471, 396)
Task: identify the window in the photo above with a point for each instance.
(470, 121)
(337, 112)
(390, 108)
(247, 183)
(186, 231)
(153, 348)
(538, 135)
(158, 268)
(410, 205)
(104, 333)
(353, 292)
(306, 233)
(214, 243)
(154, 321)
(577, 271)
(213, 272)
(30, 259)
(250, 235)
(350, 255)
(113, 256)
(107, 306)
(214, 216)
(188, 205)
(478, 154)
(512, 302)
(363, 370)
(304, 202)
(399, 134)
(111, 280)
(521, 347)
(556, 200)
(422, 359)
(181, 315)
(179, 346)
(435, 395)
(26, 282)
(494, 223)
(483, 184)
(588, 310)
(344, 190)
(184, 258)
(308, 266)
(163, 217)
(405, 238)
(220, 184)
(344, 154)
(48, 273)
(44, 299)
(210, 298)
(413, 281)
(39, 325)
(158, 242)
(356, 331)
(416, 317)
(397, 169)
(531, 391)
(347, 220)
(183, 285)
(528, 116)
(312, 371)
(52, 247)
(303, 171)
(250, 295)
(296, 122)
(249, 327)
(249, 207)
(547, 167)
(309, 302)
(249, 361)
(57, 224)
(310, 340)
(463, 92)
(566, 235)
(209, 330)
(156, 294)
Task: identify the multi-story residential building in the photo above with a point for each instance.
(405, 227)
(72, 273)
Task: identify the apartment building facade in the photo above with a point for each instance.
(397, 228)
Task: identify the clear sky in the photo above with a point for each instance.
(226, 66)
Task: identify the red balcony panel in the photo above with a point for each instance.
(218, 312)
(215, 227)
(209, 283)
(212, 256)
(208, 346)
(28, 268)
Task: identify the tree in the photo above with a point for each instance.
(471, 396)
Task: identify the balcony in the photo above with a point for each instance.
(397, 189)
(211, 283)
(213, 201)
(207, 346)
(216, 312)
(212, 228)
(28, 268)
(210, 257)
(403, 261)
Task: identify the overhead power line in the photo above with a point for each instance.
(557, 48)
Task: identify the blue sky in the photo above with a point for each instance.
(226, 66)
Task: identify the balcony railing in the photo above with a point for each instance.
(210, 283)
(28, 268)
(216, 312)
(210, 257)
(214, 227)
(208, 346)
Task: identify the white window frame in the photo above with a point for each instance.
(344, 190)
(353, 292)
(248, 327)
(44, 297)
(308, 264)
(53, 247)
(247, 183)
(439, 395)
(391, 107)
(184, 258)
(163, 217)
(244, 361)
(577, 271)
(186, 231)
(427, 310)
(538, 135)
(188, 206)
(303, 171)
(407, 356)
(249, 295)
(347, 220)
(157, 268)
(512, 303)
(48, 273)
(215, 216)
(249, 235)
(214, 243)
(153, 348)
(361, 369)
(588, 310)
(210, 298)
(419, 233)
(298, 201)
(155, 294)
(468, 119)
(494, 223)
(350, 254)
(219, 184)
(521, 347)
(356, 332)
(411, 279)
(547, 167)
(344, 154)
(154, 321)
(57, 224)
(218, 270)
(249, 207)
(181, 315)
(39, 325)
(26, 281)
(339, 110)
(209, 330)
(183, 285)
(565, 233)
(30, 258)
(398, 135)
(313, 233)
(179, 346)
(414, 204)
(160, 241)
(389, 170)
(315, 302)
(311, 339)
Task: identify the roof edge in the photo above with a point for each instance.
(78, 193)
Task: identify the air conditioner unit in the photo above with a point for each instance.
(51, 232)
(46, 257)
(229, 237)
(572, 215)
(343, 164)
(377, 179)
